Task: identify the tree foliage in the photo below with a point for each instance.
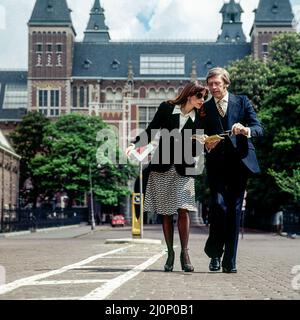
(28, 141)
(279, 107)
(69, 161)
(250, 77)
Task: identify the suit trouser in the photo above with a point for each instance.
(227, 187)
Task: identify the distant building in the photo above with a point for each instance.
(9, 179)
(122, 81)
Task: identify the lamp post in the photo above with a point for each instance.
(92, 200)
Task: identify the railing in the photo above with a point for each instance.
(32, 219)
(107, 106)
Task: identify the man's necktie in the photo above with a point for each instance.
(219, 107)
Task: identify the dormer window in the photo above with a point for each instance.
(50, 6)
(87, 63)
(96, 27)
(115, 64)
(208, 64)
(275, 8)
(238, 38)
(227, 38)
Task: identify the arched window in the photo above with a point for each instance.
(171, 93)
(162, 93)
(119, 95)
(109, 95)
(152, 93)
(142, 93)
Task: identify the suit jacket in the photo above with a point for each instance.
(172, 148)
(239, 110)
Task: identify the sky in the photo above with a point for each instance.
(126, 19)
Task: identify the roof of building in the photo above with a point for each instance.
(110, 60)
(51, 12)
(274, 12)
(11, 77)
(5, 145)
(97, 30)
(231, 7)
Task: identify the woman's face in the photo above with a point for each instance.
(198, 99)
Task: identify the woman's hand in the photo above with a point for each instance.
(129, 149)
(211, 145)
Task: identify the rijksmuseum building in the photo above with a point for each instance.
(123, 82)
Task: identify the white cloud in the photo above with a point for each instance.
(126, 19)
(2, 17)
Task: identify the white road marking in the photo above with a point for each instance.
(107, 266)
(55, 298)
(102, 292)
(127, 257)
(57, 282)
(29, 280)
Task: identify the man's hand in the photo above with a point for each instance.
(238, 128)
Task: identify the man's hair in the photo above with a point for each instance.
(219, 72)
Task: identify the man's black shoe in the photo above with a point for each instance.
(214, 264)
(229, 270)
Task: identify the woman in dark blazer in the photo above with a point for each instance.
(171, 187)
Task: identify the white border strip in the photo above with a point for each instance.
(102, 292)
(31, 280)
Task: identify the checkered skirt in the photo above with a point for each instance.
(166, 192)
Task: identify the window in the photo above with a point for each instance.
(49, 47)
(39, 47)
(75, 97)
(81, 97)
(114, 96)
(43, 98)
(15, 96)
(265, 48)
(162, 64)
(54, 102)
(58, 47)
(146, 114)
(49, 102)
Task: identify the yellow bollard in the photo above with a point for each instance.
(136, 216)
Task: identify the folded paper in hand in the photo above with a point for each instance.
(142, 152)
(202, 139)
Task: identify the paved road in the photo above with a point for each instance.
(75, 264)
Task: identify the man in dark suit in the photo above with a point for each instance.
(228, 162)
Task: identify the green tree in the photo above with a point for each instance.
(277, 96)
(250, 77)
(72, 147)
(284, 49)
(28, 141)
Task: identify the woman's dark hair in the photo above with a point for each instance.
(191, 89)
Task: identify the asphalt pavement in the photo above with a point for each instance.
(76, 263)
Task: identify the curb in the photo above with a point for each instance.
(26, 232)
(132, 240)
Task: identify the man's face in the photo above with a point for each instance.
(217, 87)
